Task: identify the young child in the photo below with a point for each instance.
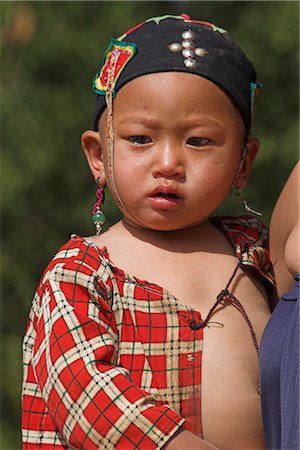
(112, 360)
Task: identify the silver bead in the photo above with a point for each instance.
(187, 44)
(188, 35)
(190, 63)
(175, 47)
(188, 53)
(200, 52)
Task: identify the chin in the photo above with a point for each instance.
(167, 225)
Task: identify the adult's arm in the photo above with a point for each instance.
(284, 233)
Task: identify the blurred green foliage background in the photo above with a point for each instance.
(49, 54)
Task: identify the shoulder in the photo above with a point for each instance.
(243, 230)
(249, 237)
(287, 207)
(76, 261)
(79, 277)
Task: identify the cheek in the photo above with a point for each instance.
(129, 165)
(127, 177)
(218, 168)
(214, 179)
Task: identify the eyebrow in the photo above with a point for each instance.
(192, 122)
(133, 120)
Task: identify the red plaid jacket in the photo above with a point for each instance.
(111, 361)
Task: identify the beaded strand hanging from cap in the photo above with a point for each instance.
(110, 130)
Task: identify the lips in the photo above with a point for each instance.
(165, 197)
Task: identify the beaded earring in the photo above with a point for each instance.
(247, 208)
(98, 216)
(237, 191)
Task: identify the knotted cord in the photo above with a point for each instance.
(225, 293)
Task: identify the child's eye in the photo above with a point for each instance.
(198, 141)
(140, 140)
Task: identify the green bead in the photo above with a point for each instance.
(99, 217)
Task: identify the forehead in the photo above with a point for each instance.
(175, 94)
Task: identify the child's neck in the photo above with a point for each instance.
(193, 238)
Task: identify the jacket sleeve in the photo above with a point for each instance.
(92, 401)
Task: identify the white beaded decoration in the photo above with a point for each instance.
(187, 49)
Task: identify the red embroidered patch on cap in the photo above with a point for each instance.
(117, 55)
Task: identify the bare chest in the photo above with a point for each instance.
(195, 280)
(229, 373)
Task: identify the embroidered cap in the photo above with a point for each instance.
(178, 43)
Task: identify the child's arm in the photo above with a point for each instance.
(284, 232)
(91, 400)
(184, 440)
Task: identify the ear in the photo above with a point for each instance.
(92, 147)
(253, 145)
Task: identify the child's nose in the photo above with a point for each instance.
(169, 161)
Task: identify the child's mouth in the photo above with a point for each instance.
(164, 199)
(166, 195)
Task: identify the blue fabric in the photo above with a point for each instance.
(279, 373)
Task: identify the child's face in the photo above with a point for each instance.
(178, 146)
